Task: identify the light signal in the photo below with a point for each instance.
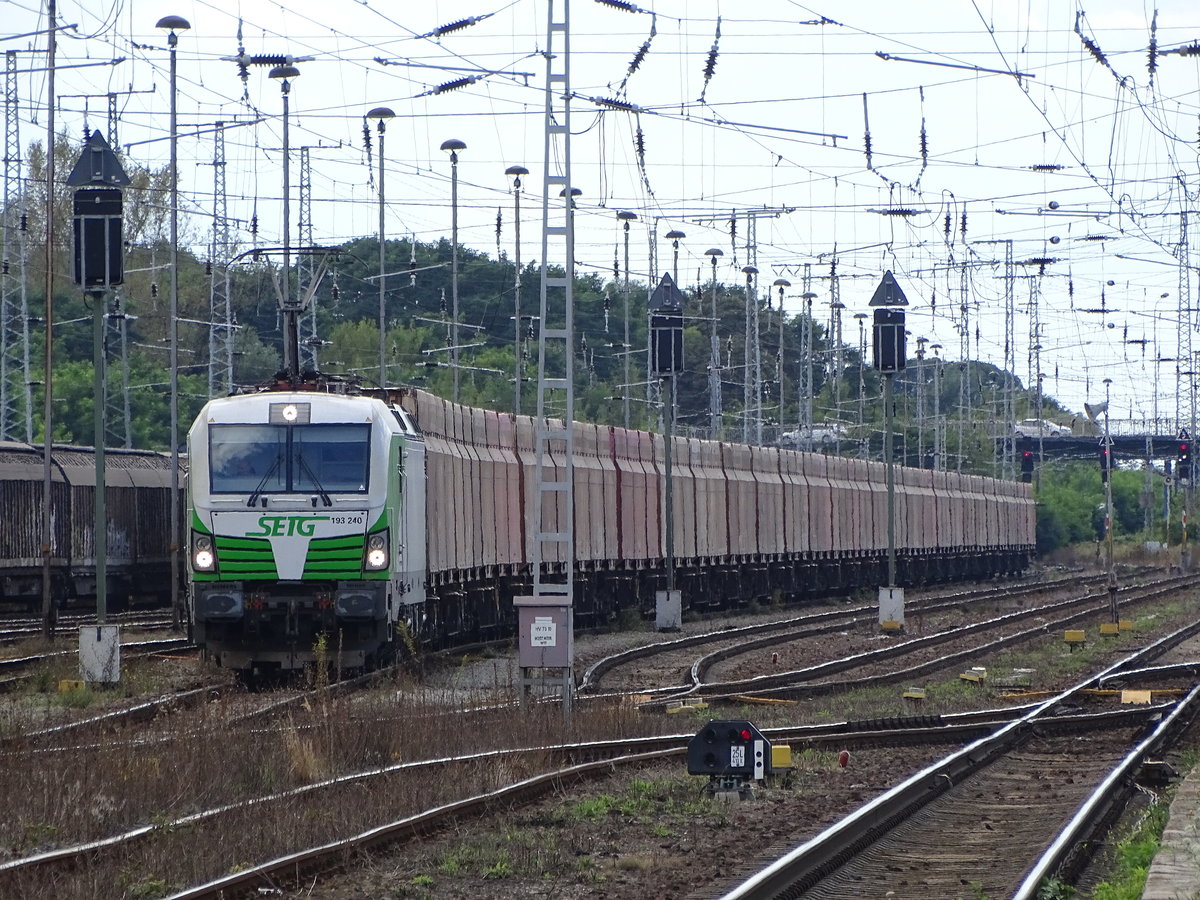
(731, 748)
(1027, 466)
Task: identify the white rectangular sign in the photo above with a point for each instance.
(543, 632)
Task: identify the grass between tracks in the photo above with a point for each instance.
(1134, 848)
(198, 759)
(191, 760)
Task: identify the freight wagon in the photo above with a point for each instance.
(749, 522)
(138, 498)
(338, 514)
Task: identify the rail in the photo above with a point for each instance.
(808, 863)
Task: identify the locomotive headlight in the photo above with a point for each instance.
(203, 557)
(377, 553)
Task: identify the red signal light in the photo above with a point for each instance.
(745, 734)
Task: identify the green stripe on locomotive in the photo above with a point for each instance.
(332, 558)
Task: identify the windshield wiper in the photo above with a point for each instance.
(258, 491)
(304, 467)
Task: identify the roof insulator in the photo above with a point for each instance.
(621, 5)
(615, 104)
(457, 26)
(451, 85)
(644, 49)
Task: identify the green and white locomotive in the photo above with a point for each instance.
(307, 515)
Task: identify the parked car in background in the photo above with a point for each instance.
(818, 436)
(1040, 428)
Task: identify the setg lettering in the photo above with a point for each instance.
(287, 526)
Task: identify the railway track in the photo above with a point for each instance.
(576, 762)
(258, 709)
(745, 639)
(953, 648)
(600, 761)
(17, 671)
(956, 645)
(1013, 790)
(24, 628)
(573, 763)
(429, 787)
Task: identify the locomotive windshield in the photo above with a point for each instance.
(278, 459)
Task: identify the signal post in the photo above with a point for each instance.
(666, 361)
(889, 358)
(99, 266)
(1183, 476)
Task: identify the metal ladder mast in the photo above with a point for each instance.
(806, 363)
(118, 428)
(220, 312)
(553, 551)
(654, 400)
(304, 265)
(836, 350)
(1186, 366)
(1010, 365)
(752, 423)
(714, 364)
(16, 406)
(118, 419)
(1035, 366)
(964, 365)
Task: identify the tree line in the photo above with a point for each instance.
(967, 395)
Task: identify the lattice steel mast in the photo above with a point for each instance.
(309, 341)
(964, 364)
(220, 312)
(16, 405)
(1010, 364)
(552, 555)
(654, 404)
(806, 360)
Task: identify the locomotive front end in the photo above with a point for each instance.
(296, 530)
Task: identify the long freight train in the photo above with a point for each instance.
(339, 514)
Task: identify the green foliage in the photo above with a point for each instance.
(1066, 506)
(1133, 854)
(416, 312)
(146, 889)
(501, 868)
(1071, 504)
(639, 799)
(1053, 889)
(457, 860)
(78, 698)
(593, 808)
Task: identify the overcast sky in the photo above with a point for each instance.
(1043, 125)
